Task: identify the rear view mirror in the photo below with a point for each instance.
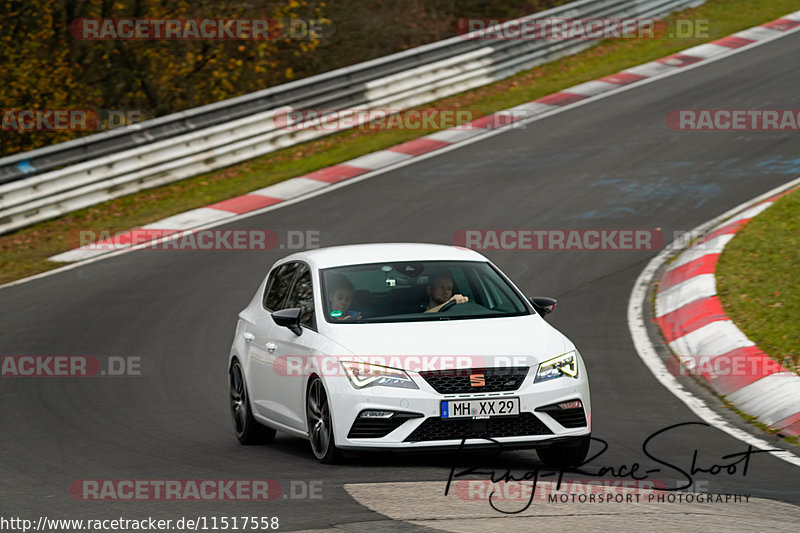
(543, 304)
(289, 318)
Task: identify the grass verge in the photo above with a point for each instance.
(25, 252)
(758, 280)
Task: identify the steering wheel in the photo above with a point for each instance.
(448, 305)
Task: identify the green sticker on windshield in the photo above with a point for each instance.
(336, 313)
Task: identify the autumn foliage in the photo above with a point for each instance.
(42, 66)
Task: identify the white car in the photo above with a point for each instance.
(405, 347)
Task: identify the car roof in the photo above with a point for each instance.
(357, 254)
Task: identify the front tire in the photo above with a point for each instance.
(319, 423)
(247, 428)
(565, 455)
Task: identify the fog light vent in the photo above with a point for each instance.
(376, 414)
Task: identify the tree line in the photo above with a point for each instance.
(44, 66)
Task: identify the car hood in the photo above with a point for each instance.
(527, 339)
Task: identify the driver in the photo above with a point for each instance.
(340, 298)
(440, 293)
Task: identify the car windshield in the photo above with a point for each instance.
(417, 290)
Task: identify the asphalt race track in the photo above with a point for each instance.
(611, 164)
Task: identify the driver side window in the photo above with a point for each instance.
(302, 296)
(278, 286)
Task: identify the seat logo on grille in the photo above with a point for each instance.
(477, 380)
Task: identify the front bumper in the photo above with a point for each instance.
(417, 424)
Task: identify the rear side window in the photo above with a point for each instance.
(278, 285)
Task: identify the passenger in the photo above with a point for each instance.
(440, 292)
(340, 298)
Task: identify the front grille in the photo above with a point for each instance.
(435, 428)
(458, 381)
(375, 428)
(569, 418)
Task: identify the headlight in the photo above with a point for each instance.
(363, 375)
(563, 365)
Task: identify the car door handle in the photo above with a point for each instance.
(248, 337)
(271, 347)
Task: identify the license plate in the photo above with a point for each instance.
(480, 408)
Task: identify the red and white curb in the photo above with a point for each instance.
(296, 187)
(702, 336)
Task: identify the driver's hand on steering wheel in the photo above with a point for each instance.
(453, 300)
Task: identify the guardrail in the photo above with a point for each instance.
(52, 181)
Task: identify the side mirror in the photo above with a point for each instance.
(543, 304)
(289, 318)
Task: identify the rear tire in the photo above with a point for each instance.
(246, 428)
(566, 455)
